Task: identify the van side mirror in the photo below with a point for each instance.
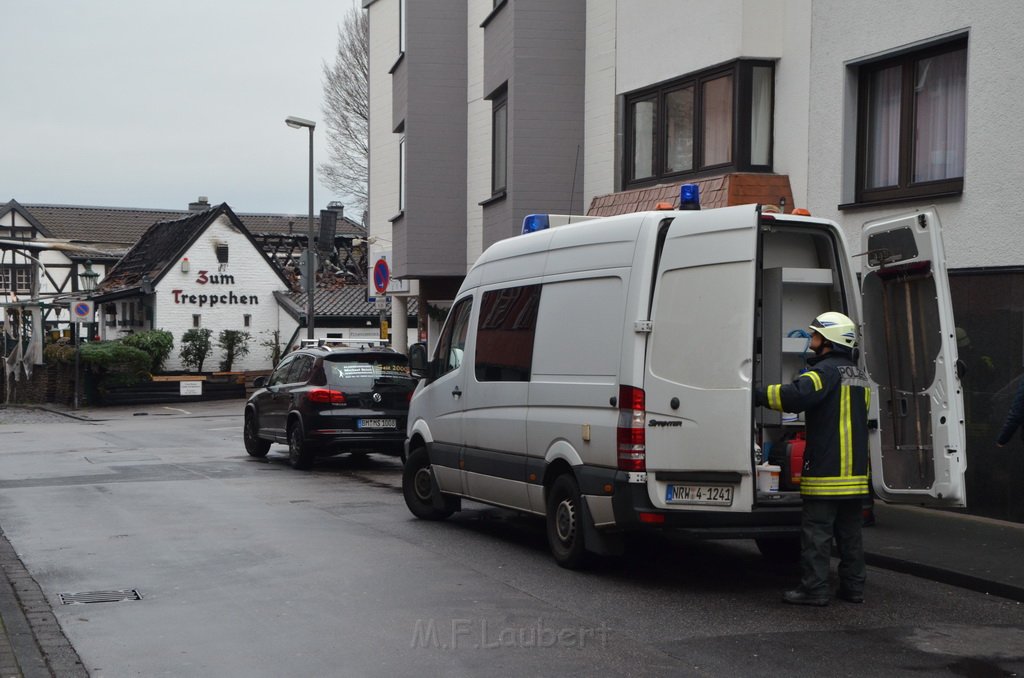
(418, 363)
(260, 382)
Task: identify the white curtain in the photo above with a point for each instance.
(643, 139)
(761, 116)
(883, 151)
(717, 121)
(940, 104)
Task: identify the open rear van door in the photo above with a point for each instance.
(699, 360)
(918, 453)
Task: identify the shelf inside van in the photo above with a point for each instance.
(794, 344)
(807, 276)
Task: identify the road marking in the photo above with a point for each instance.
(176, 409)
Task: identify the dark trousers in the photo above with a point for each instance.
(821, 521)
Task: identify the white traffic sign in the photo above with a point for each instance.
(81, 311)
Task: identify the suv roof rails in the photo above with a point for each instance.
(327, 343)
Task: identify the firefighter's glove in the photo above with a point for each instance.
(760, 398)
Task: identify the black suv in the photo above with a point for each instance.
(323, 401)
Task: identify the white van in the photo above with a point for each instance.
(600, 373)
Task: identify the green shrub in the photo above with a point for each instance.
(235, 344)
(196, 348)
(156, 343)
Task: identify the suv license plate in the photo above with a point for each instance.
(376, 423)
(708, 495)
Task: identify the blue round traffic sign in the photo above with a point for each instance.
(381, 276)
(82, 309)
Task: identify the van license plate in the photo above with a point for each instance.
(376, 423)
(709, 495)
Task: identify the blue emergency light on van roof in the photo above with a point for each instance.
(689, 197)
(535, 222)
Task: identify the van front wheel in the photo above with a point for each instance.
(565, 523)
(418, 487)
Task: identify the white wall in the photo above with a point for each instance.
(383, 200)
(478, 130)
(632, 44)
(982, 227)
(599, 133)
(251, 278)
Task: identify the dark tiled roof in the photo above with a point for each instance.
(720, 191)
(126, 225)
(161, 245)
(342, 302)
(153, 252)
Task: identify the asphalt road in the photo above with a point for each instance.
(248, 568)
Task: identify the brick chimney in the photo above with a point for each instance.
(203, 203)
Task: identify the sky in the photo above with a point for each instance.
(131, 103)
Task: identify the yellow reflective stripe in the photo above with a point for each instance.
(815, 378)
(834, 486)
(833, 480)
(775, 397)
(845, 433)
(867, 400)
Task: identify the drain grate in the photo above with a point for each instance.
(100, 596)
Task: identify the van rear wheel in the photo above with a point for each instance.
(565, 523)
(419, 487)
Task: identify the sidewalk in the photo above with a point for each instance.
(980, 554)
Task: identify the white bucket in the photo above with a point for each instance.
(768, 478)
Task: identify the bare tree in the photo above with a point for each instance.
(346, 111)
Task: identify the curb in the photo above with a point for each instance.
(951, 577)
(39, 646)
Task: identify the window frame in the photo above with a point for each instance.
(906, 188)
(742, 73)
(499, 103)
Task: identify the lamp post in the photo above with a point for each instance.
(299, 123)
(87, 280)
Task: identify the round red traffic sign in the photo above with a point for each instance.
(381, 276)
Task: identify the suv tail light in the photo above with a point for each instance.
(327, 396)
(630, 435)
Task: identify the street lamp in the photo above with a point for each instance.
(299, 123)
(88, 277)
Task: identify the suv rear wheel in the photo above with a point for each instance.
(299, 454)
(254, 445)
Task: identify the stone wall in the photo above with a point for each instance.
(49, 384)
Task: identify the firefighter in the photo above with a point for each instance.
(835, 395)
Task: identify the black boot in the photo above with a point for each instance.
(801, 597)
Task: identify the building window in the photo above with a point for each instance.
(911, 124)
(196, 318)
(401, 26)
(247, 320)
(222, 253)
(401, 174)
(499, 141)
(716, 119)
(19, 276)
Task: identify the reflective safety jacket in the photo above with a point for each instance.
(835, 395)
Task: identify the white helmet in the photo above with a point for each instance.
(837, 328)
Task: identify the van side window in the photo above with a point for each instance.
(504, 340)
(453, 337)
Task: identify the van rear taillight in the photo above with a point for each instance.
(631, 438)
(326, 396)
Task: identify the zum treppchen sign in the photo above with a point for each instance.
(206, 299)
